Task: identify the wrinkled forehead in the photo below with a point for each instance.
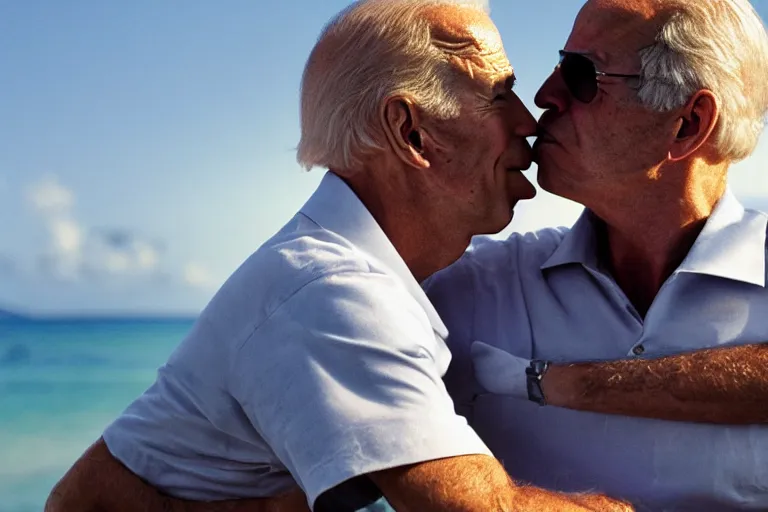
(472, 39)
(614, 30)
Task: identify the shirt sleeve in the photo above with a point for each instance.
(341, 381)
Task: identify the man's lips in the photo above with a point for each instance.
(518, 186)
(543, 136)
(524, 163)
(520, 168)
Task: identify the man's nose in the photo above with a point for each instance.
(553, 94)
(523, 124)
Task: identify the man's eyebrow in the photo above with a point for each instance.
(506, 83)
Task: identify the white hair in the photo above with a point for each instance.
(718, 45)
(373, 50)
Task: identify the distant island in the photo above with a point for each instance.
(10, 315)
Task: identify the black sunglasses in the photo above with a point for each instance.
(581, 76)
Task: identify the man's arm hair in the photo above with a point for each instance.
(476, 483)
(727, 385)
(98, 482)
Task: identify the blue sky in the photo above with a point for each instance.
(147, 148)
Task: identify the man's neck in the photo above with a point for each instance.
(422, 237)
(649, 230)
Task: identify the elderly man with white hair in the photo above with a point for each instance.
(664, 274)
(320, 360)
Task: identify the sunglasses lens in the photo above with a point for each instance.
(579, 76)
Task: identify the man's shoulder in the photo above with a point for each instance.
(304, 251)
(497, 258)
(299, 255)
(489, 272)
(533, 248)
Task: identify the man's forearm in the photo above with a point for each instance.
(99, 482)
(723, 385)
(477, 483)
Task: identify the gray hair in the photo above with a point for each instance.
(719, 45)
(383, 48)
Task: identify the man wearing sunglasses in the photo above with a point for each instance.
(663, 276)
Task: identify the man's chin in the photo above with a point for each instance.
(501, 222)
(545, 181)
(559, 188)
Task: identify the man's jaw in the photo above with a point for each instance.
(519, 187)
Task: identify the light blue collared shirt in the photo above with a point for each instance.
(320, 359)
(544, 295)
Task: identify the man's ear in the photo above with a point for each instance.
(401, 122)
(695, 125)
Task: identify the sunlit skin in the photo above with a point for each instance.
(493, 120)
(465, 178)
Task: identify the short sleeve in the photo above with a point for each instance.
(341, 381)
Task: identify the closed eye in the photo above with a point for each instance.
(509, 85)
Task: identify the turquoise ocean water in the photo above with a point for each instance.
(61, 383)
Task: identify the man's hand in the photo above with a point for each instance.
(98, 482)
(476, 483)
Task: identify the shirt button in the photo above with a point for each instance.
(638, 350)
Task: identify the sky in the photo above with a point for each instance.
(147, 148)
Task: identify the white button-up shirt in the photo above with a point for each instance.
(545, 295)
(320, 357)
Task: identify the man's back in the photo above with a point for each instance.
(268, 387)
(546, 296)
(188, 434)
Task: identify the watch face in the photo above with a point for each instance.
(534, 374)
(537, 368)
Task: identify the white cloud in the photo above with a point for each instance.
(54, 203)
(66, 235)
(51, 198)
(74, 248)
(121, 253)
(115, 262)
(147, 257)
(197, 276)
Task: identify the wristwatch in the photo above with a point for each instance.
(533, 374)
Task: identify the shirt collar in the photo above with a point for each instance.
(731, 245)
(579, 245)
(335, 207)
